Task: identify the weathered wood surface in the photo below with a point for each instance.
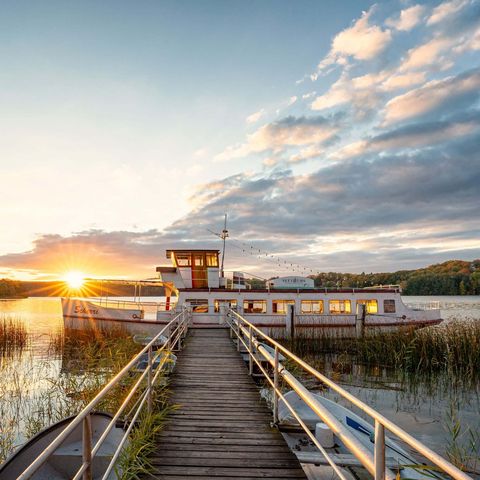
(222, 427)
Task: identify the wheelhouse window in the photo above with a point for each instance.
(312, 307)
(198, 260)
(281, 306)
(228, 304)
(340, 306)
(371, 306)
(389, 306)
(212, 260)
(183, 260)
(255, 306)
(198, 305)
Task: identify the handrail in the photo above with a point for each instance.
(179, 323)
(376, 466)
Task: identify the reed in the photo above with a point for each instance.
(13, 335)
(453, 348)
(42, 392)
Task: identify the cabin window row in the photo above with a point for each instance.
(308, 307)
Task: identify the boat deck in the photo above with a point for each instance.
(222, 426)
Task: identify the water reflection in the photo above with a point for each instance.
(57, 372)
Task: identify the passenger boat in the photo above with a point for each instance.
(287, 305)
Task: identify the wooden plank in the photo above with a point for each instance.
(214, 472)
(221, 426)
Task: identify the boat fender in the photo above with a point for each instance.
(324, 435)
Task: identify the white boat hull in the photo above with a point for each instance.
(81, 314)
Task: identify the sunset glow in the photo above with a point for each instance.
(339, 136)
(75, 280)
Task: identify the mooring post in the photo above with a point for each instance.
(360, 320)
(87, 447)
(379, 455)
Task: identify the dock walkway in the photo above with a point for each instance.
(222, 427)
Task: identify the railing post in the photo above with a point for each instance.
(379, 456)
(250, 345)
(275, 387)
(87, 447)
(238, 336)
(149, 381)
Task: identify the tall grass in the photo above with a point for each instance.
(453, 348)
(13, 335)
(38, 393)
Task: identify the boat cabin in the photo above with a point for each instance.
(192, 269)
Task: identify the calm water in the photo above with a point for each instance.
(425, 409)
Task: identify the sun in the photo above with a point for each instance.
(74, 280)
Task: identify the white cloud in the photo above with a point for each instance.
(409, 137)
(431, 95)
(308, 95)
(292, 100)
(313, 151)
(408, 18)
(361, 41)
(445, 10)
(255, 117)
(427, 54)
(288, 132)
(403, 80)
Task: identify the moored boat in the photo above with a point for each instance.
(398, 460)
(67, 459)
(287, 304)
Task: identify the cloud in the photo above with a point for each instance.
(362, 41)
(384, 211)
(405, 80)
(255, 117)
(428, 54)
(414, 136)
(408, 18)
(288, 132)
(435, 96)
(446, 10)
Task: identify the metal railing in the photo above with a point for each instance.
(422, 306)
(177, 329)
(124, 304)
(252, 339)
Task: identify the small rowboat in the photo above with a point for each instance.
(67, 459)
(397, 459)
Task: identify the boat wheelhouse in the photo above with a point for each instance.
(195, 279)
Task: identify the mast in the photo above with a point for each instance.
(223, 236)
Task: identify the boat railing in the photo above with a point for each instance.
(126, 304)
(254, 340)
(174, 331)
(433, 305)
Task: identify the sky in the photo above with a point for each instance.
(337, 136)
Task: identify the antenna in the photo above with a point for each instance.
(223, 236)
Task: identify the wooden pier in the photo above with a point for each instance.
(222, 427)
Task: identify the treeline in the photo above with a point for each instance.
(91, 288)
(10, 289)
(454, 277)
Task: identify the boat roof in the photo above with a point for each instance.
(293, 290)
(190, 250)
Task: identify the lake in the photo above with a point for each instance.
(426, 409)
